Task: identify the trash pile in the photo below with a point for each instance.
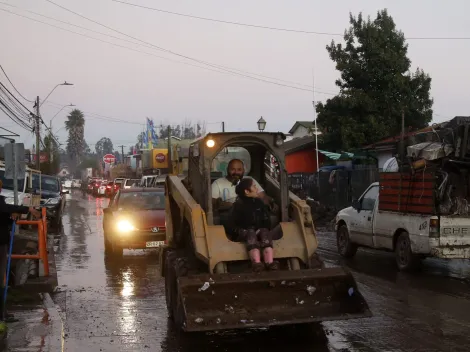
(444, 151)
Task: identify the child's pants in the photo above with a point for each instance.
(259, 239)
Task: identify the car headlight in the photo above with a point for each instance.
(10, 200)
(53, 201)
(125, 226)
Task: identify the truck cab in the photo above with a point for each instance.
(26, 196)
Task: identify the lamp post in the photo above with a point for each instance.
(38, 120)
(261, 124)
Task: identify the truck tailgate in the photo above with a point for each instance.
(454, 231)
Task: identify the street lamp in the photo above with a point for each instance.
(261, 124)
(38, 119)
(60, 84)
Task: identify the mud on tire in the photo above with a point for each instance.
(346, 248)
(177, 266)
(404, 257)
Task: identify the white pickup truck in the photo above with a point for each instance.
(412, 236)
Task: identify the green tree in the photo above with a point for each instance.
(376, 85)
(75, 126)
(104, 146)
(51, 148)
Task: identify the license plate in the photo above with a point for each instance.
(154, 244)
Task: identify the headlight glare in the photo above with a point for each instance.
(125, 226)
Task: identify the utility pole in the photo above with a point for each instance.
(402, 144)
(223, 126)
(122, 153)
(170, 163)
(38, 137)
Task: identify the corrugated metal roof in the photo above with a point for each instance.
(333, 156)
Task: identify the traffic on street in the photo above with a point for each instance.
(118, 304)
(234, 176)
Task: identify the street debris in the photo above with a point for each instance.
(204, 287)
(311, 290)
(229, 309)
(298, 301)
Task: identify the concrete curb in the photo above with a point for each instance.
(57, 320)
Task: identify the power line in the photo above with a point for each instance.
(13, 108)
(220, 67)
(268, 27)
(224, 71)
(21, 95)
(99, 116)
(229, 22)
(16, 99)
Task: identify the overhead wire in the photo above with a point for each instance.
(268, 27)
(219, 67)
(14, 109)
(99, 116)
(8, 78)
(162, 57)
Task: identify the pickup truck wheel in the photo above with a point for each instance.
(346, 248)
(404, 257)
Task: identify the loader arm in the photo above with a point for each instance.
(188, 210)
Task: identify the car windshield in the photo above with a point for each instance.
(8, 184)
(132, 182)
(141, 200)
(48, 183)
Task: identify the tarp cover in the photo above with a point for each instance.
(429, 151)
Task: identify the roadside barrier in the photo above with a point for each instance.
(42, 241)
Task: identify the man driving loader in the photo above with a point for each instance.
(223, 189)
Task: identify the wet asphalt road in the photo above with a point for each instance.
(111, 306)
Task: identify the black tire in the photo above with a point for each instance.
(316, 262)
(346, 248)
(170, 281)
(177, 267)
(404, 257)
(117, 250)
(108, 248)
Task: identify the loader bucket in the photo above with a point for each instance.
(256, 300)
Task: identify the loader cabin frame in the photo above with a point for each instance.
(204, 150)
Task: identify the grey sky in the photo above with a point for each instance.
(128, 85)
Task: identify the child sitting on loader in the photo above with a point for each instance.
(251, 224)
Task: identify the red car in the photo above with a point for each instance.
(134, 219)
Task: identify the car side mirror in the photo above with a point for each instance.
(356, 205)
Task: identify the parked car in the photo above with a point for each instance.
(68, 183)
(130, 182)
(102, 188)
(118, 184)
(52, 197)
(96, 186)
(135, 219)
(109, 192)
